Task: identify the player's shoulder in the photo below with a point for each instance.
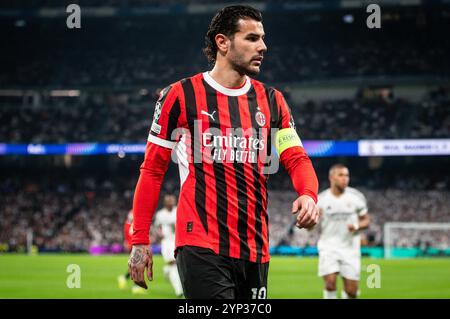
(356, 193)
(189, 79)
(177, 85)
(323, 194)
(160, 212)
(270, 90)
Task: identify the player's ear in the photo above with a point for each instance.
(222, 42)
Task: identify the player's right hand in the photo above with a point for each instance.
(308, 212)
(140, 259)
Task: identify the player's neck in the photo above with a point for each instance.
(227, 77)
(337, 191)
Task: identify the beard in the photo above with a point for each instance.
(244, 68)
(239, 63)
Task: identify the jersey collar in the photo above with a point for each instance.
(230, 92)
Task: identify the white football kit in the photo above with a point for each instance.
(339, 249)
(167, 220)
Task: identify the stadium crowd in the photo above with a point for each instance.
(320, 46)
(94, 118)
(107, 3)
(63, 214)
(75, 214)
(352, 119)
(124, 117)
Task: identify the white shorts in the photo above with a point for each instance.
(348, 265)
(168, 250)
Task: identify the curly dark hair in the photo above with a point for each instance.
(226, 22)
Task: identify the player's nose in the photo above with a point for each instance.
(262, 48)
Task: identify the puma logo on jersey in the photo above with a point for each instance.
(209, 115)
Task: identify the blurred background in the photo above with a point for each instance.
(76, 107)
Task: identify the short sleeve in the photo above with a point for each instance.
(361, 207)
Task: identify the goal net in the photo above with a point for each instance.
(410, 239)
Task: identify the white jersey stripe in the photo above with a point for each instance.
(183, 163)
(161, 142)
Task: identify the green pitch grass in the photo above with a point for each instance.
(45, 276)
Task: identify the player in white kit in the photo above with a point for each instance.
(343, 214)
(165, 220)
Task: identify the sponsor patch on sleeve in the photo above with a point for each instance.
(287, 138)
(156, 128)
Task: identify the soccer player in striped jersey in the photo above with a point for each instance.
(344, 214)
(221, 125)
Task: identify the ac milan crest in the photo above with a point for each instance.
(260, 118)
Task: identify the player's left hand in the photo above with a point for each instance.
(141, 259)
(308, 212)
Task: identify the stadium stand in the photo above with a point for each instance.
(121, 117)
(321, 45)
(74, 209)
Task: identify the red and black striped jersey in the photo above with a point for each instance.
(222, 139)
(223, 195)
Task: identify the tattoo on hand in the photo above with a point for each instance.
(138, 256)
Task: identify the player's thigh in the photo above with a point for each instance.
(351, 267)
(253, 284)
(205, 275)
(328, 263)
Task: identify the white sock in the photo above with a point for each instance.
(329, 294)
(345, 296)
(174, 278)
